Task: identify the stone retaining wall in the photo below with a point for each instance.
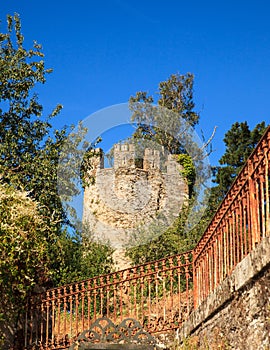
(237, 314)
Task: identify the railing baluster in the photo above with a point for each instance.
(245, 226)
(58, 304)
(121, 285)
(82, 305)
(95, 300)
(65, 310)
(76, 308)
(163, 278)
(142, 282)
(149, 291)
(53, 315)
(267, 191)
(134, 283)
(70, 313)
(88, 304)
(47, 318)
(171, 280)
(114, 302)
(41, 322)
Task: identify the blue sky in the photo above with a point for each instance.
(102, 52)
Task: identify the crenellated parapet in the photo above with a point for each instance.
(151, 159)
(96, 161)
(124, 155)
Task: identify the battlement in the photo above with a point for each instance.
(124, 147)
(125, 156)
(151, 159)
(96, 160)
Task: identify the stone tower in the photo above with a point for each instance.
(132, 193)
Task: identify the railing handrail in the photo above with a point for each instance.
(207, 236)
(119, 272)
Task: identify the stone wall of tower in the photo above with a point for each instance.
(131, 193)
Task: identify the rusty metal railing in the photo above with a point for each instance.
(157, 294)
(241, 221)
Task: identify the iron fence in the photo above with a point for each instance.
(241, 221)
(157, 294)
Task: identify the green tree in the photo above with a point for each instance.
(38, 250)
(164, 128)
(83, 256)
(169, 126)
(171, 241)
(29, 149)
(33, 156)
(240, 142)
(164, 125)
(24, 253)
(176, 94)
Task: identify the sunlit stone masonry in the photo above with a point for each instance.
(133, 201)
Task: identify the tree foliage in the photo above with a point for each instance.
(169, 127)
(24, 258)
(189, 171)
(37, 247)
(165, 124)
(240, 142)
(177, 96)
(28, 152)
(82, 256)
(171, 241)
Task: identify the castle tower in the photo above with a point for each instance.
(131, 195)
